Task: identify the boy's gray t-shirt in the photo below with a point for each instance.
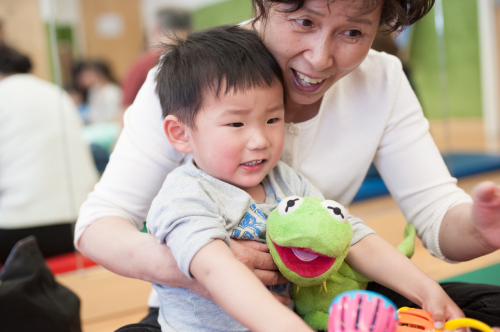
(192, 209)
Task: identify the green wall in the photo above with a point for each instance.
(462, 56)
(228, 12)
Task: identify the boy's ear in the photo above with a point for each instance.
(176, 134)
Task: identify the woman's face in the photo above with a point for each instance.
(319, 44)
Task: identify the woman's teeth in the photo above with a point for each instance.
(307, 81)
(252, 163)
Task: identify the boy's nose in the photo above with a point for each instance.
(258, 140)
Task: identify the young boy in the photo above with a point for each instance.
(222, 96)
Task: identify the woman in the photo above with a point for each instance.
(346, 106)
(104, 94)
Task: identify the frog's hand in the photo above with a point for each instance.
(317, 320)
(407, 247)
(347, 271)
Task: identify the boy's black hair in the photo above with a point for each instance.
(208, 60)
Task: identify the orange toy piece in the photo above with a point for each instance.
(418, 320)
(413, 320)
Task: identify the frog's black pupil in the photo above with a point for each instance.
(337, 211)
(290, 203)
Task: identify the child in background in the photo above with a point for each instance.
(221, 93)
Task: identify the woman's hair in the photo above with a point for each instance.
(395, 13)
(217, 60)
(13, 62)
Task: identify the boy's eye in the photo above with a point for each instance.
(236, 124)
(304, 22)
(271, 121)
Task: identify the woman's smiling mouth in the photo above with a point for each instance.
(306, 83)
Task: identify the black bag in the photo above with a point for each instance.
(30, 297)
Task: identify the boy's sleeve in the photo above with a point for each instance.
(307, 189)
(184, 217)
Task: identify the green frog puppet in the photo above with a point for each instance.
(309, 239)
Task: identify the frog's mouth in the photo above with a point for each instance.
(306, 262)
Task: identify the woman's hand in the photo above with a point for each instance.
(486, 213)
(256, 257)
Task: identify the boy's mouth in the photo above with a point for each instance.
(254, 162)
(254, 165)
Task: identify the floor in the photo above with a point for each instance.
(110, 301)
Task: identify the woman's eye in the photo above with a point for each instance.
(304, 22)
(236, 124)
(353, 33)
(271, 121)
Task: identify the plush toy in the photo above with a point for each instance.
(309, 239)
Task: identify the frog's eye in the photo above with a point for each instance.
(336, 210)
(289, 204)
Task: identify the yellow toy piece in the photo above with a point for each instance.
(418, 320)
(466, 322)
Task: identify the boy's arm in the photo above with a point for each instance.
(238, 291)
(378, 260)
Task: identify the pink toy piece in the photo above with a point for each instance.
(362, 311)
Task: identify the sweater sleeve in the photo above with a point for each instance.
(137, 167)
(186, 218)
(413, 170)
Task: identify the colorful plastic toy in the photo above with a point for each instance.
(366, 311)
(418, 320)
(362, 311)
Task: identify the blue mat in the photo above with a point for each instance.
(459, 164)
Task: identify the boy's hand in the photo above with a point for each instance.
(441, 307)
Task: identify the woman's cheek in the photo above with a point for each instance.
(352, 57)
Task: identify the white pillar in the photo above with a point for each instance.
(490, 88)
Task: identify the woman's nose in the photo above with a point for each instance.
(320, 54)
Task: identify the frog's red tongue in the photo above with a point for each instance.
(305, 262)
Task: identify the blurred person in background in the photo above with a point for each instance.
(46, 169)
(170, 21)
(104, 94)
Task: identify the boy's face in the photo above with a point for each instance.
(239, 136)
